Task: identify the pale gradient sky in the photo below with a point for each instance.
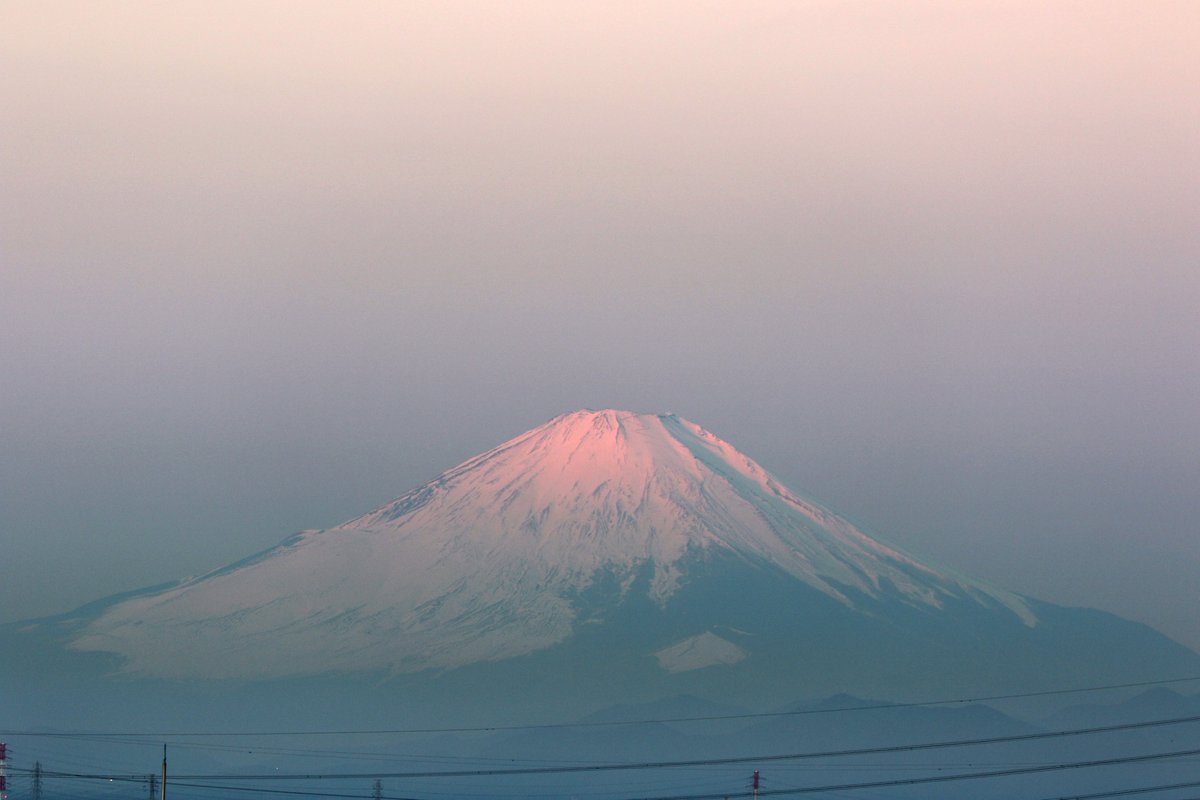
(265, 266)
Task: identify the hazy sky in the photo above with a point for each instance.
(265, 266)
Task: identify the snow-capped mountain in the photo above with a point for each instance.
(486, 562)
(602, 558)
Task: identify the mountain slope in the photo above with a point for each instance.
(493, 559)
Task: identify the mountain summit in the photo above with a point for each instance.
(488, 561)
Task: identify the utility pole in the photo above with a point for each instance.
(153, 786)
(163, 791)
(377, 790)
(36, 792)
(755, 784)
(3, 777)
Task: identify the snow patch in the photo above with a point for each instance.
(697, 652)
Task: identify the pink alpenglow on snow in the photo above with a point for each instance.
(481, 563)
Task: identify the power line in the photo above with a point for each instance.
(967, 776)
(841, 787)
(1023, 737)
(299, 792)
(556, 725)
(1166, 787)
(142, 779)
(700, 762)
